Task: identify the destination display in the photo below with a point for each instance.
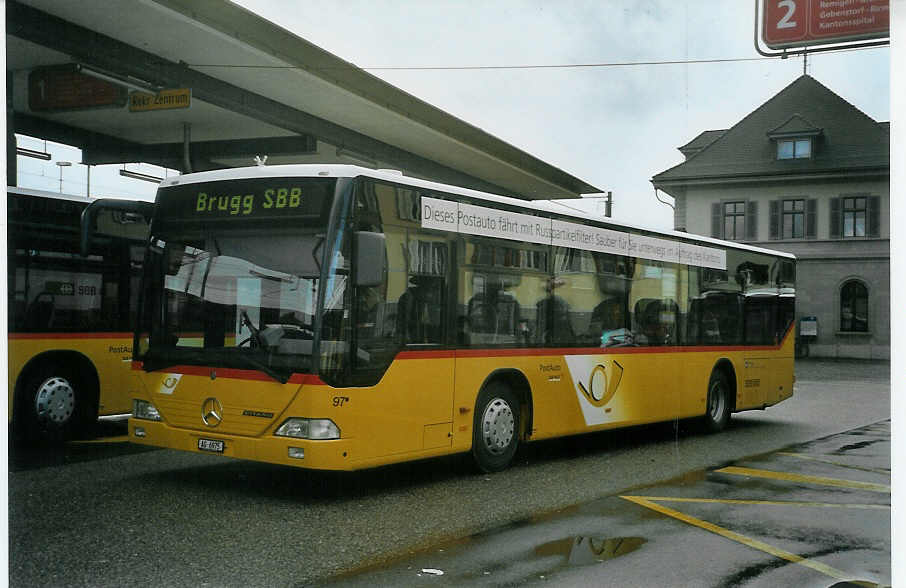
(59, 88)
(267, 198)
(470, 219)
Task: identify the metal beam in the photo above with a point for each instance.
(212, 150)
(98, 148)
(110, 55)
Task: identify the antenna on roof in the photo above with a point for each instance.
(260, 160)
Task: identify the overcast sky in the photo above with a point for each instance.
(614, 127)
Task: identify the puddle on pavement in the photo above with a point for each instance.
(859, 445)
(582, 551)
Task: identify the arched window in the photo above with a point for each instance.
(854, 307)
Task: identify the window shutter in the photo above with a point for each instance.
(874, 216)
(751, 221)
(811, 218)
(774, 220)
(835, 230)
(716, 221)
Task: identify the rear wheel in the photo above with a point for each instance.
(51, 404)
(718, 409)
(495, 434)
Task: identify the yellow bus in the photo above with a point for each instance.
(334, 317)
(70, 333)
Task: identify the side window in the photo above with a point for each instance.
(609, 322)
(51, 288)
(715, 318)
(655, 312)
(587, 301)
(760, 319)
(500, 285)
(421, 304)
(409, 307)
(750, 302)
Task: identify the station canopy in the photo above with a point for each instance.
(204, 84)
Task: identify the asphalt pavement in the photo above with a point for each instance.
(102, 512)
(813, 514)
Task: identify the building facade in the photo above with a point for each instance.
(807, 173)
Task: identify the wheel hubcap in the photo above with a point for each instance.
(498, 426)
(55, 400)
(716, 402)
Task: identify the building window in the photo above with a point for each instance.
(793, 219)
(734, 221)
(854, 210)
(855, 216)
(794, 149)
(854, 307)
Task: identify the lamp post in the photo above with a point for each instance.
(61, 165)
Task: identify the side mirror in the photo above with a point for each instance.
(107, 217)
(370, 259)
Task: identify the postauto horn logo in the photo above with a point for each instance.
(597, 380)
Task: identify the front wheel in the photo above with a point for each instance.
(718, 410)
(51, 405)
(495, 433)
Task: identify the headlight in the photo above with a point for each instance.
(308, 429)
(142, 409)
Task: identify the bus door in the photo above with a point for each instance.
(116, 232)
(400, 318)
(760, 370)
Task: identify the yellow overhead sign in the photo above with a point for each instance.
(163, 100)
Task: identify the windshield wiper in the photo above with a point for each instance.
(154, 363)
(263, 367)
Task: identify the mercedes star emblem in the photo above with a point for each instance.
(211, 412)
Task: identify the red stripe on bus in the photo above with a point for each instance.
(314, 380)
(232, 373)
(70, 335)
(428, 354)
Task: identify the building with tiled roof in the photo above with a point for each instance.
(808, 173)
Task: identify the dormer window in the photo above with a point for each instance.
(795, 138)
(794, 148)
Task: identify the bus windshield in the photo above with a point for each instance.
(234, 292)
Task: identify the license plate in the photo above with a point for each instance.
(210, 445)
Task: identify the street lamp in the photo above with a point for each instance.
(61, 165)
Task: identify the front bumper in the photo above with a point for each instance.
(320, 455)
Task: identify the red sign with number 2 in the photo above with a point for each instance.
(799, 23)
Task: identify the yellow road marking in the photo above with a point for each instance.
(835, 463)
(120, 439)
(736, 471)
(739, 538)
(766, 502)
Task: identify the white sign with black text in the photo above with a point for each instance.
(469, 219)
